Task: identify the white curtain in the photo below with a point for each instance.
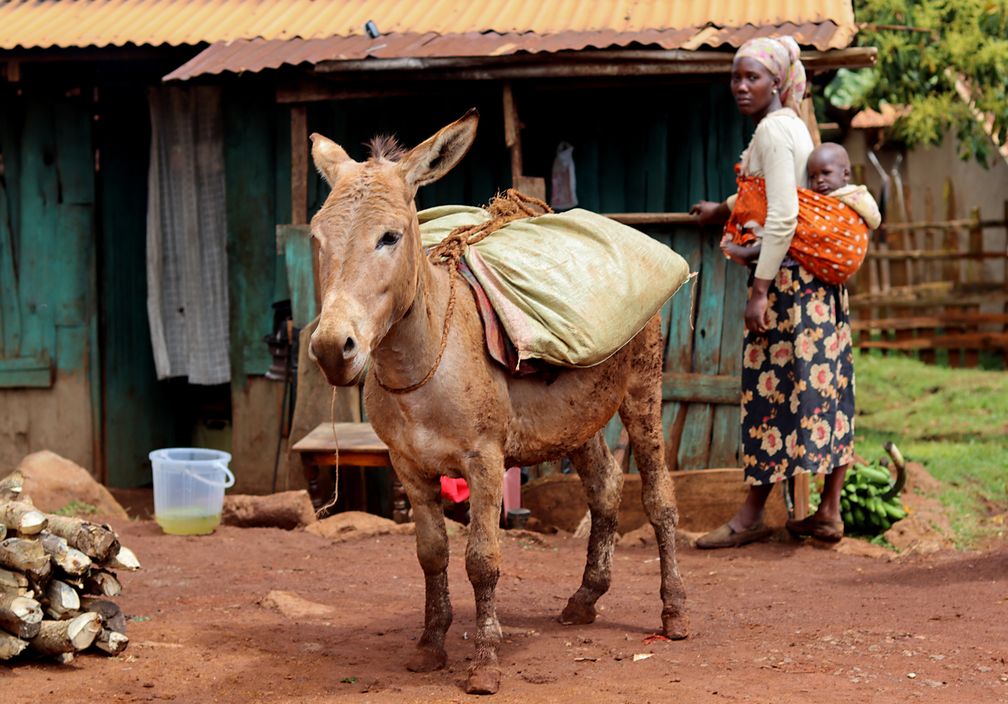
(187, 290)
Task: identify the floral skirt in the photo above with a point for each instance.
(798, 381)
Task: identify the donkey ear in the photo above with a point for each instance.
(328, 157)
(432, 159)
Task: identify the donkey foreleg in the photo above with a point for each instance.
(603, 484)
(432, 552)
(486, 488)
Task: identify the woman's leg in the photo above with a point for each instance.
(751, 511)
(829, 504)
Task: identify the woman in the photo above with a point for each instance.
(798, 373)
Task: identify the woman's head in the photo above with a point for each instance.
(766, 74)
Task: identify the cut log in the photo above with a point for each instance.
(20, 616)
(102, 583)
(22, 517)
(70, 560)
(10, 646)
(26, 556)
(125, 559)
(56, 637)
(13, 582)
(62, 600)
(110, 612)
(287, 510)
(95, 541)
(111, 642)
(11, 486)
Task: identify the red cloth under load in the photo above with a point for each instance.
(830, 240)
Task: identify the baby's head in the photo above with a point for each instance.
(828, 168)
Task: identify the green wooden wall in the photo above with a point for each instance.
(139, 413)
(47, 265)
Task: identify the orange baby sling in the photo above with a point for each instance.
(830, 240)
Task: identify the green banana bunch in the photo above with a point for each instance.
(870, 500)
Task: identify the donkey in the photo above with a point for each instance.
(384, 306)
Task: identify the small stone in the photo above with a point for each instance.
(912, 675)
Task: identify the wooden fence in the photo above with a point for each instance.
(930, 284)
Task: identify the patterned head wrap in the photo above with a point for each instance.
(780, 56)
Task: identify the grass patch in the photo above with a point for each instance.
(77, 508)
(953, 421)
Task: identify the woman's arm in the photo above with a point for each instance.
(710, 213)
(778, 162)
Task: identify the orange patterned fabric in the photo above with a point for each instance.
(830, 240)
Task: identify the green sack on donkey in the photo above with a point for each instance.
(570, 288)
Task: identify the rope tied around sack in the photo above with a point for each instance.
(504, 208)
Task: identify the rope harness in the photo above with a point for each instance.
(503, 209)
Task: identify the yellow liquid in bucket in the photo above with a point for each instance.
(187, 522)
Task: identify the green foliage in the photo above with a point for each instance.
(924, 48)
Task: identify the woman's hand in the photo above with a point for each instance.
(710, 213)
(756, 310)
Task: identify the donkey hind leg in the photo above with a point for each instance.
(432, 552)
(486, 490)
(641, 414)
(603, 484)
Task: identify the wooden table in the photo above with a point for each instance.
(354, 445)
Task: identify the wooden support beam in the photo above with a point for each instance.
(512, 132)
(966, 340)
(921, 322)
(637, 219)
(701, 388)
(299, 185)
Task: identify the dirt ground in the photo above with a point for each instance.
(780, 622)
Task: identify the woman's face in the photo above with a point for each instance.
(752, 86)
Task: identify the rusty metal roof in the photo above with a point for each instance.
(100, 23)
(259, 54)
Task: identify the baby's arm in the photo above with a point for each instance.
(739, 254)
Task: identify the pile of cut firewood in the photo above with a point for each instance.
(56, 579)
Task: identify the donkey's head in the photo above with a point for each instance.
(370, 257)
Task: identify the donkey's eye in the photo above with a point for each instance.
(389, 239)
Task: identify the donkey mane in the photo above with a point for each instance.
(386, 146)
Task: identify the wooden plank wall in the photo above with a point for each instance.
(47, 274)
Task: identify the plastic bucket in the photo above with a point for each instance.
(189, 484)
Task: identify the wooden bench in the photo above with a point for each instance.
(358, 446)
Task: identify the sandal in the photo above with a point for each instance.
(826, 531)
(728, 537)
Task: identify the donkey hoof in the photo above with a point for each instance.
(483, 679)
(427, 660)
(577, 613)
(675, 627)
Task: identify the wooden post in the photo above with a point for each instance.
(512, 133)
(806, 111)
(1004, 276)
(530, 185)
(299, 184)
(802, 495)
(974, 272)
(951, 267)
(932, 269)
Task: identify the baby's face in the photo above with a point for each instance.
(826, 174)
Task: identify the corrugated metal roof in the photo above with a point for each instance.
(99, 23)
(258, 54)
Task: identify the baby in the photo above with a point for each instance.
(835, 257)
